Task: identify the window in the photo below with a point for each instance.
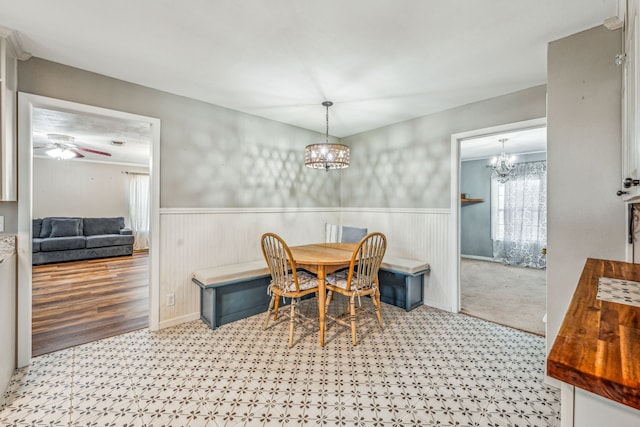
(519, 216)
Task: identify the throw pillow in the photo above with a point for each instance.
(37, 227)
(65, 227)
(45, 228)
(353, 234)
(332, 233)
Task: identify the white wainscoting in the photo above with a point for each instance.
(417, 234)
(192, 239)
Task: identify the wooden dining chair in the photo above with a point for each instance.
(286, 281)
(361, 279)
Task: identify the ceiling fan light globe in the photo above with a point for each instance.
(61, 153)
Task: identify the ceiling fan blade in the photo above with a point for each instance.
(76, 152)
(89, 150)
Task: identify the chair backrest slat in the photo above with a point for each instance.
(366, 260)
(279, 260)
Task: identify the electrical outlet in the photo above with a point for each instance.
(171, 300)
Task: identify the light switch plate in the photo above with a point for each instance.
(1, 223)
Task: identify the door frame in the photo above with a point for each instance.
(26, 103)
(454, 223)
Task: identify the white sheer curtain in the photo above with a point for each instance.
(519, 216)
(139, 209)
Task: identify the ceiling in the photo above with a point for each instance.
(379, 61)
(523, 141)
(133, 138)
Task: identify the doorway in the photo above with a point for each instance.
(499, 278)
(28, 105)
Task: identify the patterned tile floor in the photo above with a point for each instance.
(428, 367)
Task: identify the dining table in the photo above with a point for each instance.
(323, 259)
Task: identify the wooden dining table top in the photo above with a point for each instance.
(323, 253)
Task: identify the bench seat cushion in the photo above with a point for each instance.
(404, 265)
(233, 272)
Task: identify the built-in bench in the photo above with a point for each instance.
(233, 292)
(402, 282)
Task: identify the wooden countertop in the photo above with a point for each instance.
(598, 346)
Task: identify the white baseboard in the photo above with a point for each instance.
(178, 320)
(479, 258)
(438, 306)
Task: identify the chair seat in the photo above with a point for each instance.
(339, 280)
(306, 281)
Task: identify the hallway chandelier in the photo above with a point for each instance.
(502, 167)
(327, 156)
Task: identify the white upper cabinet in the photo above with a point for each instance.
(10, 52)
(8, 89)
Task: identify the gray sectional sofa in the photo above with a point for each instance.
(60, 239)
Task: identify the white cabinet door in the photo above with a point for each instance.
(591, 410)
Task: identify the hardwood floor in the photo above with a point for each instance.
(79, 302)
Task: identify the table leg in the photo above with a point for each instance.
(322, 293)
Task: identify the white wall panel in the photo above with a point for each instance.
(417, 234)
(193, 239)
(79, 188)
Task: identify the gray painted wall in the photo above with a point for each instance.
(408, 164)
(475, 219)
(585, 217)
(211, 157)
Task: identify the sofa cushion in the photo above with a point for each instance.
(96, 226)
(45, 230)
(36, 227)
(62, 243)
(35, 246)
(65, 227)
(102, 240)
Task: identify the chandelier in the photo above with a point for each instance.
(327, 156)
(502, 167)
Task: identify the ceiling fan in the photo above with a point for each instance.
(64, 147)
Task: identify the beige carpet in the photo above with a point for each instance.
(510, 296)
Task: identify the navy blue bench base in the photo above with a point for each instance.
(226, 302)
(401, 289)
